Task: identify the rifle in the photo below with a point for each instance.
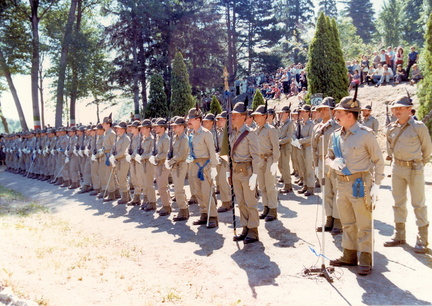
(155, 151)
(170, 134)
(216, 136)
(387, 116)
(298, 126)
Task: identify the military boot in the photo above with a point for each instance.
(74, 185)
(287, 189)
(193, 200)
(165, 211)
(136, 199)
(66, 183)
(272, 215)
(365, 263)
(202, 220)
(303, 190)
(150, 206)
(226, 206)
(94, 192)
(124, 198)
(117, 194)
(265, 212)
(242, 236)
(102, 194)
(349, 258)
(110, 197)
(252, 236)
(213, 222)
(59, 181)
(399, 237)
(309, 191)
(182, 215)
(337, 227)
(328, 226)
(84, 189)
(422, 240)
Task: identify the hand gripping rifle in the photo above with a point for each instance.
(216, 136)
(170, 134)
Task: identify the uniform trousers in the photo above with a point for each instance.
(178, 173)
(267, 184)
(330, 190)
(95, 173)
(284, 163)
(74, 167)
(204, 191)
(86, 172)
(162, 174)
(148, 171)
(122, 170)
(224, 188)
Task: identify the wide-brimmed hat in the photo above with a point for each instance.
(121, 125)
(108, 119)
(223, 115)
(160, 122)
(327, 102)
(367, 107)
(146, 123)
(285, 109)
(402, 101)
(305, 108)
(239, 108)
(180, 121)
(194, 112)
(209, 117)
(260, 110)
(349, 104)
(135, 124)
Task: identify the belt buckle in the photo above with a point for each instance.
(346, 178)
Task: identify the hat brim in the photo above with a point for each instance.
(397, 104)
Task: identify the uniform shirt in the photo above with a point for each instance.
(306, 133)
(413, 144)
(286, 132)
(247, 149)
(327, 129)
(371, 122)
(268, 141)
(135, 144)
(63, 142)
(108, 140)
(121, 146)
(359, 148)
(162, 146)
(147, 146)
(180, 149)
(203, 145)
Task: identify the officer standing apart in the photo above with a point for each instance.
(352, 149)
(203, 167)
(245, 162)
(409, 143)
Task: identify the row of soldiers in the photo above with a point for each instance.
(106, 160)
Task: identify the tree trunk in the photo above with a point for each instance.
(42, 102)
(34, 4)
(63, 61)
(74, 85)
(13, 91)
(3, 120)
(135, 87)
(143, 73)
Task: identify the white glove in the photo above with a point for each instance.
(213, 173)
(296, 143)
(112, 160)
(80, 153)
(167, 164)
(273, 168)
(52, 152)
(253, 181)
(218, 158)
(59, 150)
(152, 160)
(374, 192)
(228, 175)
(337, 163)
(128, 158)
(100, 151)
(93, 157)
(75, 152)
(87, 152)
(317, 172)
(138, 158)
(189, 159)
(66, 160)
(67, 153)
(39, 151)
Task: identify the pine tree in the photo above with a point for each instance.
(362, 14)
(157, 105)
(181, 96)
(390, 22)
(412, 22)
(424, 93)
(215, 106)
(258, 99)
(326, 71)
(328, 7)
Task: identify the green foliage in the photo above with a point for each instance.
(258, 99)
(181, 96)
(157, 105)
(326, 71)
(425, 93)
(362, 14)
(352, 44)
(412, 22)
(389, 22)
(215, 106)
(328, 7)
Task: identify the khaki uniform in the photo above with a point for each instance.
(223, 168)
(246, 161)
(305, 158)
(359, 148)
(268, 150)
(74, 159)
(285, 137)
(136, 171)
(295, 151)
(87, 164)
(119, 151)
(411, 151)
(63, 145)
(179, 168)
(147, 169)
(162, 173)
(96, 166)
(372, 123)
(108, 140)
(204, 154)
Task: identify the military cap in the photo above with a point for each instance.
(271, 111)
(285, 109)
(295, 111)
(99, 127)
(209, 117)
(135, 124)
(313, 108)
(108, 119)
(160, 122)
(194, 112)
(349, 104)
(223, 115)
(402, 101)
(239, 108)
(327, 102)
(179, 121)
(72, 129)
(305, 108)
(61, 129)
(146, 123)
(121, 125)
(260, 110)
(82, 128)
(44, 131)
(367, 107)
(249, 112)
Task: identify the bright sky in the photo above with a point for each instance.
(84, 114)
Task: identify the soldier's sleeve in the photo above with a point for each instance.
(275, 144)
(163, 152)
(286, 134)
(209, 140)
(426, 144)
(330, 153)
(375, 126)
(388, 141)
(147, 153)
(375, 156)
(254, 151)
(122, 149)
(307, 139)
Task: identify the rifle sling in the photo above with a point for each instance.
(241, 137)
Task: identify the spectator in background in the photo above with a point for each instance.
(399, 55)
(412, 59)
(303, 79)
(301, 95)
(376, 59)
(364, 64)
(386, 76)
(370, 74)
(416, 74)
(355, 79)
(383, 57)
(400, 74)
(294, 87)
(376, 77)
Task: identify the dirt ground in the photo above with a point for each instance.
(85, 252)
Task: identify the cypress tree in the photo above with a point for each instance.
(215, 107)
(258, 99)
(362, 14)
(181, 92)
(339, 81)
(425, 94)
(157, 105)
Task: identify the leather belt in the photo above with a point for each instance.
(404, 163)
(265, 156)
(200, 160)
(350, 178)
